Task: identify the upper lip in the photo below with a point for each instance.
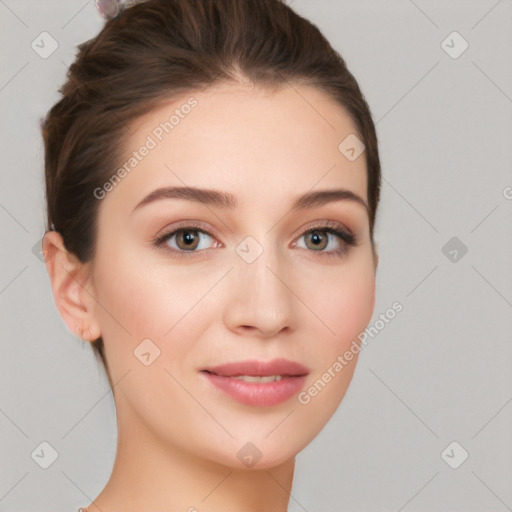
(259, 368)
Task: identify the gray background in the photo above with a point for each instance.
(439, 372)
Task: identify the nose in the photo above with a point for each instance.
(261, 299)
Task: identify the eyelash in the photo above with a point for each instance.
(346, 239)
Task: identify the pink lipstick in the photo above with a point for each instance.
(258, 383)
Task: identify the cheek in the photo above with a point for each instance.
(140, 299)
(345, 303)
(347, 312)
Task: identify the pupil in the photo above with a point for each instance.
(316, 236)
(189, 238)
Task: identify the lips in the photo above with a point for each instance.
(251, 382)
(255, 368)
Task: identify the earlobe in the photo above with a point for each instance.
(72, 291)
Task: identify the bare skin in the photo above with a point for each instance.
(178, 436)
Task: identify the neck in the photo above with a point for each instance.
(148, 474)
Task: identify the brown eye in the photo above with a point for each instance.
(331, 240)
(318, 238)
(187, 239)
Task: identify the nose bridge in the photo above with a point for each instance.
(259, 296)
(259, 262)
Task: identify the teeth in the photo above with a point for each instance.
(252, 378)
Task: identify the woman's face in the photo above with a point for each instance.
(248, 279)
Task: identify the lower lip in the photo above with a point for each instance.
(256, 393)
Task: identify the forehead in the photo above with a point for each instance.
(259, 144)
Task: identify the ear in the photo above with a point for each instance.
(376, 256)
(72, 287)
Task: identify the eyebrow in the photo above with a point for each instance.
(226, 200)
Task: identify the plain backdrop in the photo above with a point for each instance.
(426, 424)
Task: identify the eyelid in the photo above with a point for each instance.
(193, 224)
(324, 224)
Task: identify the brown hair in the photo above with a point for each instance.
(157, 50)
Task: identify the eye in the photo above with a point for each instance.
(329, 239)
(184, 241)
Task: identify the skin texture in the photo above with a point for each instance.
(178, 436)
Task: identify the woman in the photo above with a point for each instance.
(212, 182)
